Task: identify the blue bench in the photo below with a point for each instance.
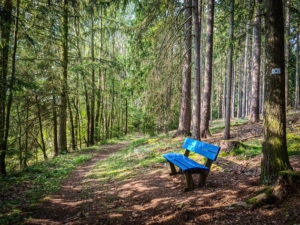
(188, 166)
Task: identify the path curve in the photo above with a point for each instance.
(63, 206)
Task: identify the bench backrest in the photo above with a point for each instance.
(205, 149)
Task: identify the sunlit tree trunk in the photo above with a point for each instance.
(274, 146)
(254, 109)
(196, 100)
(92, 97)
(185, 108)
(205, 114)
(244, 102)
(229, 74)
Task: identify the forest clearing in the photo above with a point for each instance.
(95, 94)
(128, 182)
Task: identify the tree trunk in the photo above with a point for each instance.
(185, 108)
(244, 102)
(240, 91)
(254, 109)
(204, 129)
(5, 23)
(229, 74)
(197, 98)
(296, 105)
(62, 137)
(43, 146)
(72, 128)
(92, 111)
(287, 50)
(55, 143)
(274, 146)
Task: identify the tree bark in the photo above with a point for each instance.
(204, 128)
(287, 50)
(5, 34)
(197, 92)
(229, 74)
(244, 102)
(62, 137)
(185, 108)
(254, 109)
(274, 146)
(296, 104)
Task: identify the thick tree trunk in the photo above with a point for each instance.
(254, 109)
(185, 108)
(229, 74)
(5, 23)
(204, 128)
(274, 146)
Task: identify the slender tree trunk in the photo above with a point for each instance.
(20, 138)
(55, 143)
(296, 105)
(287, 50)
(240, 91)
(246, 65)
(229, 74)
(72, 128)
(233, 91)
(254, 109)
(197, 98)
(92, 111)
(43, 146)
(274, 146)
(62, 137)
(204, 129)
(185, 108)
(97, 119)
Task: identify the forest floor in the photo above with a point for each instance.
(154, 197)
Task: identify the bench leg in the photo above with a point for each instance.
(189, 181)
(202, 178)
(173, 169)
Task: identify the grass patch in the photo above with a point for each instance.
(143, 153)
(293, 144)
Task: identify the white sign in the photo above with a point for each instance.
(276, 71)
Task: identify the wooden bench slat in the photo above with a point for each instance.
(207, 150)
(183, 162)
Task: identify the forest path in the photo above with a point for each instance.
(65, 205)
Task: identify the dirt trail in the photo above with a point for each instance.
(65, 205)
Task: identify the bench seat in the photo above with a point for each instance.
(183, 162)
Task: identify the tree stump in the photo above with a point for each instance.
(228, 145)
